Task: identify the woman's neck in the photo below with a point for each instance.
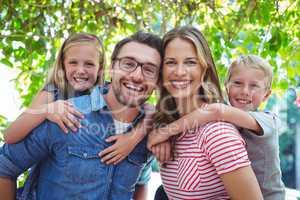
(188, 105)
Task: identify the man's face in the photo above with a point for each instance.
(134, 88)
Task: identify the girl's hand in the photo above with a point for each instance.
(162, 151)
(157, 136)
(124, 144)
(64, 114)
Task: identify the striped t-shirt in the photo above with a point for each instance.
(199, 158)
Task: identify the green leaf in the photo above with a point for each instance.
(7, 62)
(275, 42)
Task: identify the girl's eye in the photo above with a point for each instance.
(90, 64)
(72, 62)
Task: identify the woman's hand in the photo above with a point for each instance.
(64, 114)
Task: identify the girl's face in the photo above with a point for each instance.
(82, 66)
(181, 70)
(246, 88)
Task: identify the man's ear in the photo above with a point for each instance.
(267, 94)
(100, 77)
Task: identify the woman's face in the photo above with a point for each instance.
(181, 69)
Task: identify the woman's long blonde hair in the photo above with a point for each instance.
(209, 91)
(57, 76)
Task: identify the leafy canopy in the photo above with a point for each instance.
(32, 31)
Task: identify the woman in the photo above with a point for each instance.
(209, 162)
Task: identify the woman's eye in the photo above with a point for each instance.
(191, 63)
(170, 62)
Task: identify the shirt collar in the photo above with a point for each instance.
(97, 100)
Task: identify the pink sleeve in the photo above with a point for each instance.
(224, 147)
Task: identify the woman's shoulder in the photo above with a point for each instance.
(218, 133)
(218, 129)
(218, 125)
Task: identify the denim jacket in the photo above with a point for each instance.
(69, 165)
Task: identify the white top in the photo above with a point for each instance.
(121, 127)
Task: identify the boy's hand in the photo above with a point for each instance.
(157, 136)
(114, 154)
(162, 151)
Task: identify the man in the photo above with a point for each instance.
(68, 163)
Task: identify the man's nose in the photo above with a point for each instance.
(137, 74)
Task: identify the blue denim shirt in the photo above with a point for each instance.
(69, 167)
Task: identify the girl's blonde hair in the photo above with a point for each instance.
(252, 61)
(209, 91)
(57, 76)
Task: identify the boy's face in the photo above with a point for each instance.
(247, 88)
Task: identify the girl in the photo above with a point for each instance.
(78, 67)
(210, 161)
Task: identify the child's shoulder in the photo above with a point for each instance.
(263, 115)
(268, 121)
(218, 132)
(82, 103)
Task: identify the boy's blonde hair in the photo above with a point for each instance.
(252, 61)
(57, 76)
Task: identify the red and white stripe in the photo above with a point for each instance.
(199, 159)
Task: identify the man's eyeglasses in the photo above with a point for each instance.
(129, 65)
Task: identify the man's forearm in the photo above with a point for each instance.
(7, 189)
